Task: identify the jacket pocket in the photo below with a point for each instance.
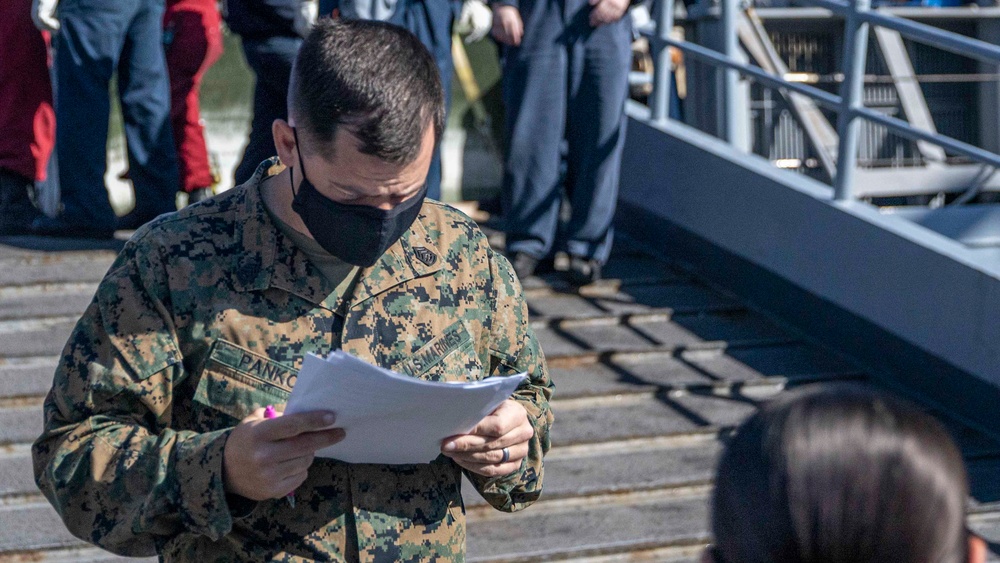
(234, 382)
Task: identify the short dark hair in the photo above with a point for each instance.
(373, 77)
(840, 474)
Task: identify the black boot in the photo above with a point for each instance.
(524, 265)
(583, 271)
(16, 210)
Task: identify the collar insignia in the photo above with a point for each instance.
(424, 255)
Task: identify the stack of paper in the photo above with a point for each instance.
(391, 418)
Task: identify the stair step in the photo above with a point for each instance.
(27, 527)
(685, 297)
(681, 330)
(610, 472)
(40, 301)
(20, 425)
(69, 267)
(46, 337)
(16, 474)
(622, 269)
(624, 373)
(613, 525)
(645, 416)
(26, 377)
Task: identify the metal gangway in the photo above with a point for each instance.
(911, 289)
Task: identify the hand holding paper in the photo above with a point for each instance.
(496, 445)
(269, 458)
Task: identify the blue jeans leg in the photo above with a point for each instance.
(595, 134)
(271, 60)
(431, 22)
(534, 84)
(88, 47)
(144, 89)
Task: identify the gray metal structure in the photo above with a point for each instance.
(916, 290)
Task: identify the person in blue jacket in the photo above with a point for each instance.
(94, 40)
(431, 21)
(271, 39)
(565, 81)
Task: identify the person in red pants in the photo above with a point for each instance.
(27, 118)
(192, 39)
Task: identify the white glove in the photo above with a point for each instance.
(306, 16)
(43, 13)
(474, 21)
(640, 16)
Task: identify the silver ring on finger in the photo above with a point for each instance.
(506, 455)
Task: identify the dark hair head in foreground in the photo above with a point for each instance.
(374, 78)
(840, 474)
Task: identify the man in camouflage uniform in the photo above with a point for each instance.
(155, 439)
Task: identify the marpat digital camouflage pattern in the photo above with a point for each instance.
(205, 316)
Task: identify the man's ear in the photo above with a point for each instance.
(284, 142)
(977, 549)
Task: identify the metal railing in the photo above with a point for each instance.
(858, 18)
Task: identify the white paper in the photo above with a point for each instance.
(391, 418)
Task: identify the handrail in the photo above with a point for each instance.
(824, 98)
(851, 98)
(904, 129)
(923, 33)
(848, 105)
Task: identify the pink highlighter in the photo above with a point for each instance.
(269, 413)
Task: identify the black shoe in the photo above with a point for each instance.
(200, 194)
(524, 265)
(57, 227)
(17, 212)
(583, 271)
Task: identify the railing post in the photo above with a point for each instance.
(851, 93)
(730, 81)
(661, 54)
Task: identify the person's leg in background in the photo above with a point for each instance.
(271, 61)
(144, 91)
(87, 50)
(534, 91)
(27, 117)
(193, 42)
(432, 21)
(595, 134)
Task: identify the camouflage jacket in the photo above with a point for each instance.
(206, 315)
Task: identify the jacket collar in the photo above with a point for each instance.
(271, 260)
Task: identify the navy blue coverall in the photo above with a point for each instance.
(431, 21)
(267, 30)
(564, 89)
(98, 37)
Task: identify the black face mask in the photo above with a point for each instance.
(357, 234)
